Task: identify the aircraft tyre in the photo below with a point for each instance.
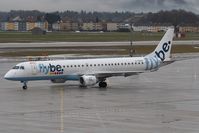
(24, 87)
(102, 84)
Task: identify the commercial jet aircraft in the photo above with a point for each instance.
(93, 71)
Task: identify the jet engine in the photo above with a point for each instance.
(58, 80)
(88, 80)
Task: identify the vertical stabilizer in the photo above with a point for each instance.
(163, 50)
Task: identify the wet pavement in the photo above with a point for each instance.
(165, 101)
(79, 44)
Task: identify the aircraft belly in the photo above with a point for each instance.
(31, 78)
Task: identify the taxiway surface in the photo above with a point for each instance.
(165, 101)
(79, 44)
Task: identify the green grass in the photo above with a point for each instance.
(6, 37)
(61, 37)
(19, 37)
(108, 50)
(85, 37)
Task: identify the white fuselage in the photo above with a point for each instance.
(73, 69)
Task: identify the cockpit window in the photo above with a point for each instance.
(15, 67)
(18, 67)
(22, 67)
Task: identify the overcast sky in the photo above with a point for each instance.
(100, 5)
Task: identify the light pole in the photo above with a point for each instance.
(131, 51)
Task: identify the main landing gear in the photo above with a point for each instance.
(24, 87)
(102, 84)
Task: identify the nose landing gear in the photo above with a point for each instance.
(24, 87)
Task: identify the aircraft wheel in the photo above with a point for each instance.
(24, 87)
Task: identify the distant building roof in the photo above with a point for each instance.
(18, 18)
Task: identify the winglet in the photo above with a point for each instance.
(163, 49)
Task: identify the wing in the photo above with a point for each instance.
(107, 74)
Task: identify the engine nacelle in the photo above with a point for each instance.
(87, 80)
(58, 80)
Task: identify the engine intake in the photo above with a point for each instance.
(87, 80)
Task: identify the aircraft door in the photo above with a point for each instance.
(33, 68)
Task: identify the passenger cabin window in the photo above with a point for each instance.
(15, 67)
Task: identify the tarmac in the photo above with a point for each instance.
(165, 101)
(79, 44)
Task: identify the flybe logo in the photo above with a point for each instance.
(165, 48)
(50, 69)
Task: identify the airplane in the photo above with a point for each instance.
(90, 72)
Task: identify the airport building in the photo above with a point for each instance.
(93, 26)
(183, 29)
(22, 26)
(19, 24)
(65, 26)
(112, 26)
(151, 28)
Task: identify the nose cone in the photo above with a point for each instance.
(9, 75)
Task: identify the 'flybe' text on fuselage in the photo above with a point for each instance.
(50, 69)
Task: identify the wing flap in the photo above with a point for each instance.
(110, 74)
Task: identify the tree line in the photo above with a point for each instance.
(174, 17)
